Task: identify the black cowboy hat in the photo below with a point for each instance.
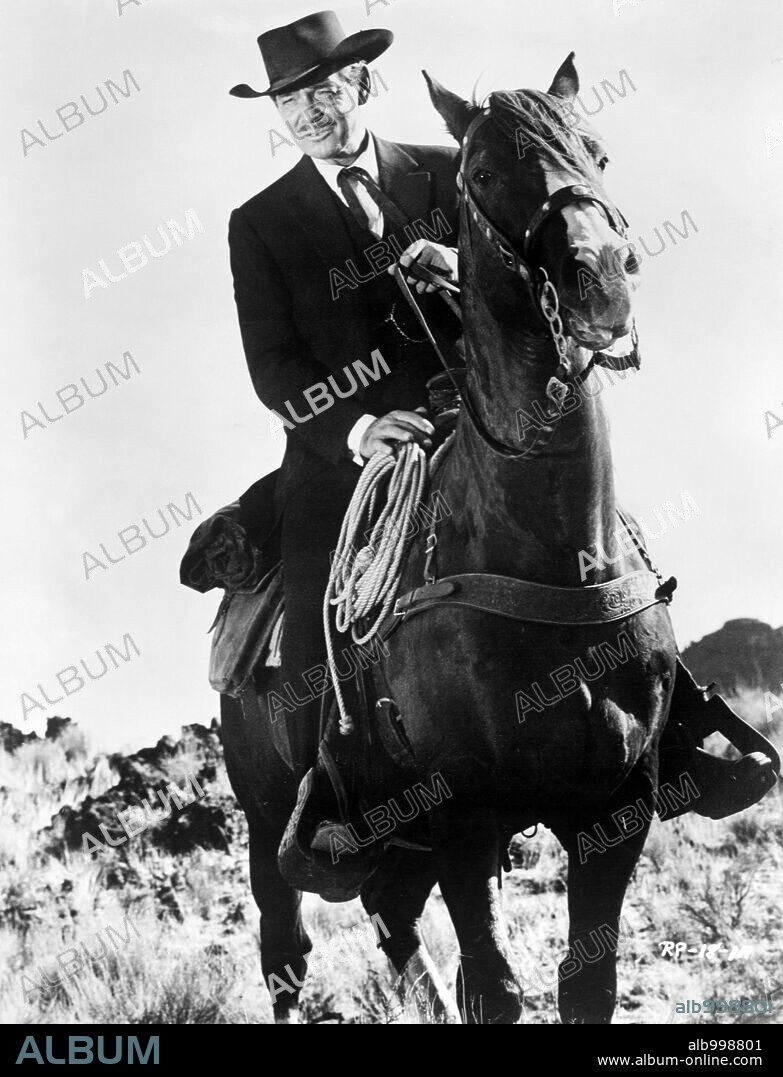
(310, 49)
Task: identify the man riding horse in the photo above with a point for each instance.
(308, 316)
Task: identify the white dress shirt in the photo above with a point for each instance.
(368, 160)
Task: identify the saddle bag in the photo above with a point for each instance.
(243, 630)
(238, 550)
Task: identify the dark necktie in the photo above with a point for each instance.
(349, 179)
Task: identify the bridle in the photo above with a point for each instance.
(564, 196)
(542, 292)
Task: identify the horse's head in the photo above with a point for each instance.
(532, 180)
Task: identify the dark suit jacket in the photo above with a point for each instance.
(283, 243)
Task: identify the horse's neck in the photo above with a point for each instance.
(530, 516)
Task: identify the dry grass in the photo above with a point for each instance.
(173, 939)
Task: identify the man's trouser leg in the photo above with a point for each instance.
(310, 531)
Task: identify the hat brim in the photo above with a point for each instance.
(366, 45)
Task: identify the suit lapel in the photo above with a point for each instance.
(313, 207)
(402, 179)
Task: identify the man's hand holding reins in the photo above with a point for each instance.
(434, 256)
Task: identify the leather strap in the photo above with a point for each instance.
(566, 196)
(408, 294)
(429, 276)
(335, 779)
(520, 263)
(521, 600)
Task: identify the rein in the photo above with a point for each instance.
(542, 292)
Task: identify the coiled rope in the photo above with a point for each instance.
(364, 581)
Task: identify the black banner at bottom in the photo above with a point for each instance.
(592, 1048)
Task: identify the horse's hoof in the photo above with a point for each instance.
(290, 1017)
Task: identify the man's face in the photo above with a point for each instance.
(324, 118)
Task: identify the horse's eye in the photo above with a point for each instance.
(603, 163)
(482, 177)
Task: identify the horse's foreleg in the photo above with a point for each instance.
(602, 855)
(467, 848)
(394, 898)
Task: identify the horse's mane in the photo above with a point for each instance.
(547, 125)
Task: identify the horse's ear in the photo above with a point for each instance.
(566, 82)
(456, 112)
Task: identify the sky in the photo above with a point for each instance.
(695, 127)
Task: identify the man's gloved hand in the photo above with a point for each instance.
(434, 256)
(405, 426)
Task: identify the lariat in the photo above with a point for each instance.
(364, 579)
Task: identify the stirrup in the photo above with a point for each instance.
(306, 856)
(716, 716)
(736, 785)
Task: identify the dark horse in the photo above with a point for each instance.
(525, 498)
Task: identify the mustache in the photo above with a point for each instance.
(314, 128)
